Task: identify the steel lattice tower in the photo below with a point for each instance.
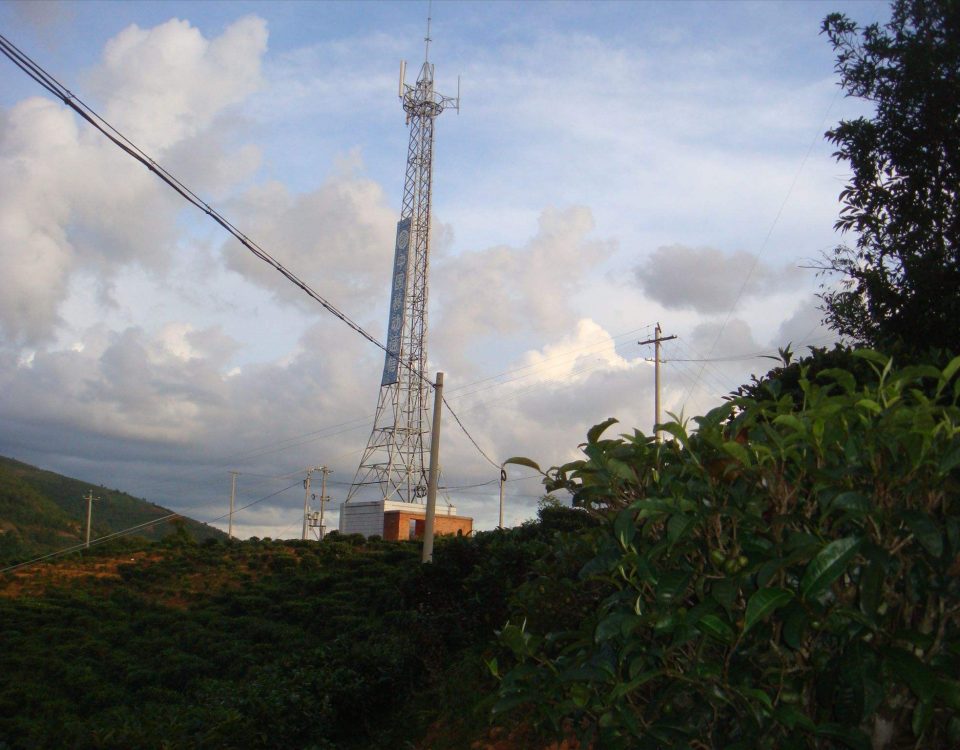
(393, 462)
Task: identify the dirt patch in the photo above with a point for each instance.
(36, 579)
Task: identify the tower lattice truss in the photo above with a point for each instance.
(395, 462)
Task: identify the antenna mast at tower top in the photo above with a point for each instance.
(393, 463)
(427, 39)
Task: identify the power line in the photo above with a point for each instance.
(131, 529)
(51, 84)
(469, 436)
(766, 239)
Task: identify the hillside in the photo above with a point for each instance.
(41, 511)
(261, 644)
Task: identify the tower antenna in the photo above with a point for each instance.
(394, 463)
(427, 39)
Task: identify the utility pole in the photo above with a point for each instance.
(503, 480)
(306, 500)
(427, 555)
(656, 341)
(90, 498)
(233, 494)
(323, 500)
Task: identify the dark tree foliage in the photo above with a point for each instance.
(902, 280)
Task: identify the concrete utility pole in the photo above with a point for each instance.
(90, 498)
(656, 341)
(306, 500)
(427, 555)
(233, 494)
(503, 480)
(323, 500)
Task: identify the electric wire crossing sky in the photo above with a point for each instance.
(393, 461)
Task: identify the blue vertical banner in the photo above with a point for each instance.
(398, 308)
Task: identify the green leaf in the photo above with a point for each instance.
(953, 729)
(949, 692)
(870, 405)
(759, 695)
(580, 694)
(791, 421)
(716, 627)
(737, 452)
(948, 372)
(791, 716)
(762, 603)
(950, 461)
(851, 502)
(624, 688)
(849, 736)
(671, 585)
(625, 528)
(871, 356)
(522, 461)
(920, 677)
(724, 592)
(871, 588)
(493, 667)
(794, 626)
(678, 526)
(924, 531)
(841, 376)
(596, 431)
(828, 566)
(922, 714)
(616, 625)
(622, 470)
(677, 431)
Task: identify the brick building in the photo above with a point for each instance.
(396, 520)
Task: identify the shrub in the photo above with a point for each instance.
(783, 577)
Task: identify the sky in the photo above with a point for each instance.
(613, 165)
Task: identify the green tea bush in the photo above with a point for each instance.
(786, 575)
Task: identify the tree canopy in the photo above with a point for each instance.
(901, 282)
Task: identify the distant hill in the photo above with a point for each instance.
(41, 511)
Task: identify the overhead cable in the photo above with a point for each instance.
(51, 84)
(131, 529)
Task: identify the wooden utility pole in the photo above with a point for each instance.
(233, 494)
(90, 498)
(656, 341)
(427, 555)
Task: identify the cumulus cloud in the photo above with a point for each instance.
(338, 238)
(168, 83)
(72, 201)
(505, 291)
(551, 395)
(708, 280)
(805, 327)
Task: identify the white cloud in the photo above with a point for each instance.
(805, 327)
(73, 201)
(710, 281)
(506, 292)
(196, 370)
(168, 83)
(338, 238)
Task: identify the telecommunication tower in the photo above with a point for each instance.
(392, 467)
